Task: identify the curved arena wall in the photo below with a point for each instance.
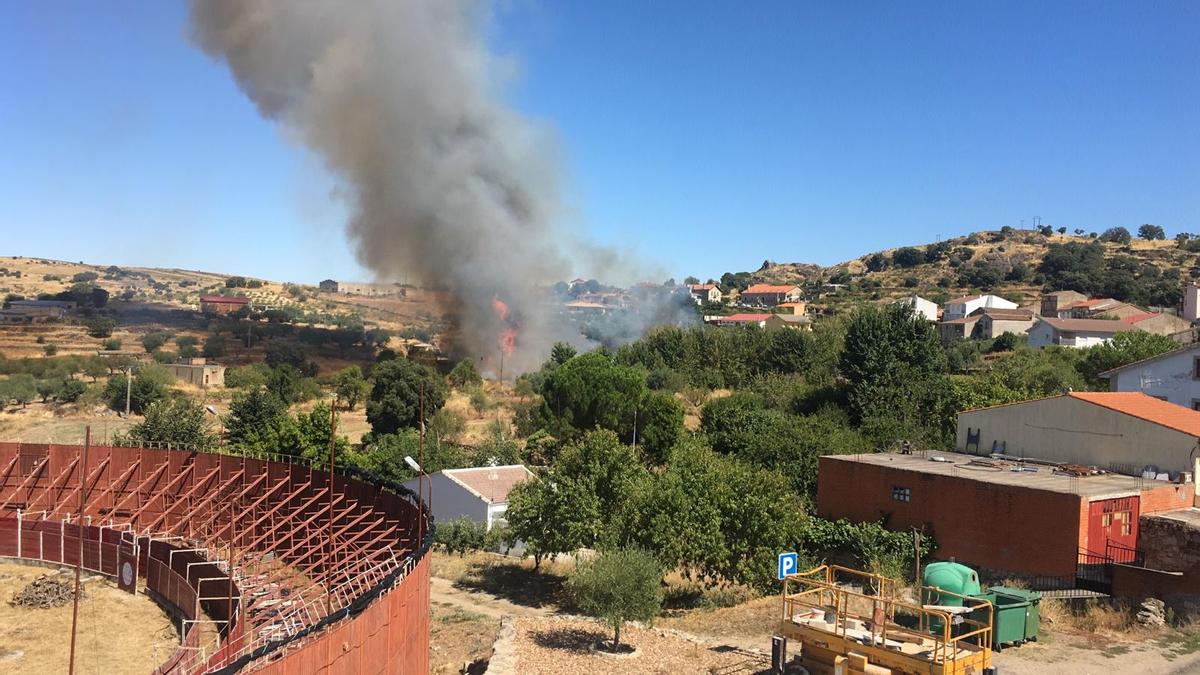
(299, 600)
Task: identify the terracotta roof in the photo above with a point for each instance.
(965, 298)
(1139, 317)
(767, 288)
(701, 287)
(1088, 325)
(225, 299)
(746, 317)
(1139, 405)
(490, 483)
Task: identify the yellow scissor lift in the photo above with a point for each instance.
(878, 633)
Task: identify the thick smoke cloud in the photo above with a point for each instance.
(398, 97)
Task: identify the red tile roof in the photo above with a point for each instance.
(1139, 405)
(745, 317)
(768, 288)
(1139, 317)
(224, 299)
(701, 287)
(1089, 325)
(491, 483)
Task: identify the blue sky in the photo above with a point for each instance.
(706, 136)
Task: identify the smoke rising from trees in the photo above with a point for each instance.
(400, 101)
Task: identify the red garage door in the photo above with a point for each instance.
(1113, 527)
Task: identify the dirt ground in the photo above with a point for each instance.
(118, 633)
(46, 423)
(564, 645)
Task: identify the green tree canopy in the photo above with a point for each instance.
(394, 402)
(464, 374)
(618, 586)
(177, 423)
(591, 391)
(350, 385)
(887, 350)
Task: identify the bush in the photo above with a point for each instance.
(908, 257)
(112, 345)
(152, 341)
(70, 391)
(1116, 235)
(100, 327)
(461, 535)
(618, 586)
(50, 349)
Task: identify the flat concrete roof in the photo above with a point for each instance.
(1189, 517)
(1105, 486)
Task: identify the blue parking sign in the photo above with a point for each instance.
(788, 563)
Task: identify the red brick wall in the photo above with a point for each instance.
(1000, 527)
(1167, 498)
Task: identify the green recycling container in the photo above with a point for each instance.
(1032, 612)
(950, 576)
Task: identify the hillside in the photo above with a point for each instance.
(147, 299)
(1002, 262)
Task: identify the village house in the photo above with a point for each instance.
(743, 319)
(767, 295)
(995, 322)
(479, 493)
(960, 307)
(926, 309)
(1173, 377)
(220, 304)
(198, 372)
(962, 328)
(703, 293)
(1075, 333)
(793, 308)
(360, 288)
(787, 321)
(1055, 305)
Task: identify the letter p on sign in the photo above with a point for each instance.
(787, 564)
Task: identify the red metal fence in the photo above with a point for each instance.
(310, 593)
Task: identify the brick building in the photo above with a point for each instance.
(221, 304)
(984, 513)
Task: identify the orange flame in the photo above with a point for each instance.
(500, 308)
(508, 336)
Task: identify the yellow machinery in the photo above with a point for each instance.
(848, 621)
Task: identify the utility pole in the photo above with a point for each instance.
(87, 441)
(329, 559)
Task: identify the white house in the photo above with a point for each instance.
(480, 493)
(1076, 333)
(1173, 376)
(960, 307)
(926, 309)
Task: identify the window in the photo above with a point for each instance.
(1196, 404)
(1106, 520)
(902, 494)
(1126, 529)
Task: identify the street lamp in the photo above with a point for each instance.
(424, 504)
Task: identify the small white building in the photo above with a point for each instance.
(960, 307)
(1077, 333)
(1191, 302)
(926, 309)
(1173, 377)
(479, 493)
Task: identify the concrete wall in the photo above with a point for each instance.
(1170, 377)
(1001, 527)
(1066, 429)
(449, 500)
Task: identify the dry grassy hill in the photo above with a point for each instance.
(941, 278)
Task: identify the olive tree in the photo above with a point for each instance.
(619, 586)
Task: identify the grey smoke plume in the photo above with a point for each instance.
(398, 97)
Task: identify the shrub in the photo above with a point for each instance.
(112, 345)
